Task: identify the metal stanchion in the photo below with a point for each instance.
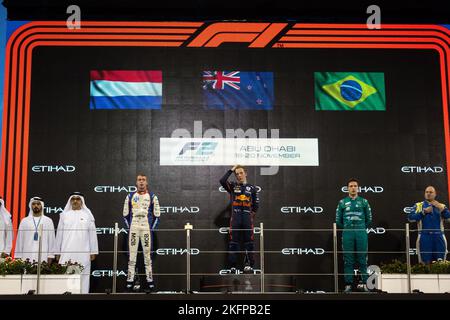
(188, 227)
(335, 260)
(261, 255)
(116, 237)
(408, 257)
(39, 259)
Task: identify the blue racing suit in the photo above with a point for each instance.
(431, 243)
(244, 204)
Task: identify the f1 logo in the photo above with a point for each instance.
(258, 34)
(203, 148)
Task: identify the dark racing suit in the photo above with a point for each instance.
(244, 204)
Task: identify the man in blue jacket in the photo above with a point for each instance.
(430, 215)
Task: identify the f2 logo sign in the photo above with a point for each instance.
(203, 148)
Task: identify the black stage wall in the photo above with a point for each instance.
(102, 150)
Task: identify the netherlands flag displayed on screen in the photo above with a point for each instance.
(126, 89)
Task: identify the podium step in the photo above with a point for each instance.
(246, 283)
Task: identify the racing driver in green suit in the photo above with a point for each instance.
(353, 215)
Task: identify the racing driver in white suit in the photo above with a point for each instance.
(141, 212)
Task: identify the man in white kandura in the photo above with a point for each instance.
(27, 243)
(76, 237)
(6, 232)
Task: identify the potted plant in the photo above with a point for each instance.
(54, 278)
(20, 276)
(432, 278)
(11, 275)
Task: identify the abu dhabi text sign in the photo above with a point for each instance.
(249, 152)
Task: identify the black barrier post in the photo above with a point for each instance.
(261, 255)
(116, 236)
(408, 257)
(335, 260)
(38, 284)
(188, 227)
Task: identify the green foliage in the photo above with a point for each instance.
(420, 268)
(397, 266)
(11, 266)
(440, 267)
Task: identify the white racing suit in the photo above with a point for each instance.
(141, 213)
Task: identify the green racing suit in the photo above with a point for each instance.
(354, 216)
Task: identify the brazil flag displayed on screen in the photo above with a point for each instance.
(344, 91)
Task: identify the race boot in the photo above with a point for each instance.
(348, 288)
(150, 286)
(129, 287)
(249, 259)
(137, 282)
(232, 248)
(248, 269)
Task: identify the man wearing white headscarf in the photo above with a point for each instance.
(76, 237)
(27, 243)
(6, 232)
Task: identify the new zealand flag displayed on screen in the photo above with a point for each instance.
(238, 90)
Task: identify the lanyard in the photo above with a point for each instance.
(36, 235)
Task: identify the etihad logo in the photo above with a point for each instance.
(109, 230)
(51, 210)
(225, 272)
(300, 209)
(302, 251)
(112, 189)
(176, 251)
(226, 230)
(222, 189)
(108, 273)
(378, 230)
(179, 210)
(408, 210)
(53, 168)
(417, 169)
(365, 189)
